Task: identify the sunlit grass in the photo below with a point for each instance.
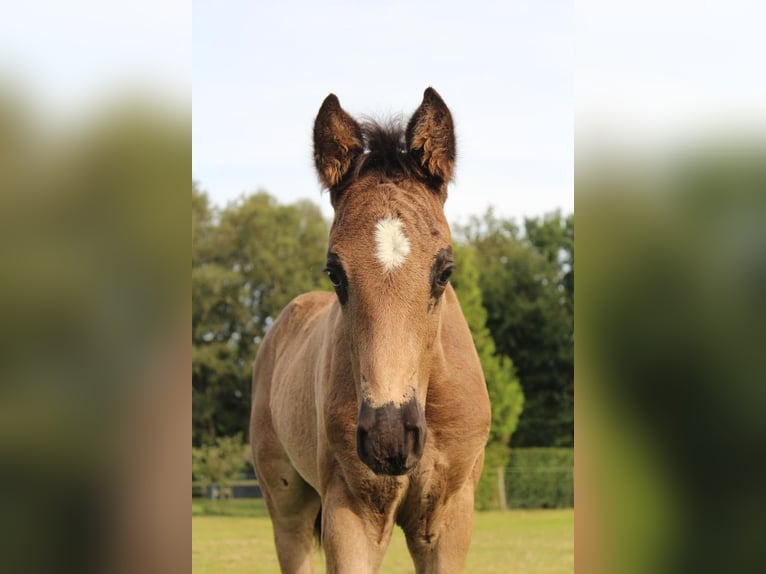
(528, 541)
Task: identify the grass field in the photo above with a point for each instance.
(529, 542)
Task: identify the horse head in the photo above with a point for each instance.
(389, 260)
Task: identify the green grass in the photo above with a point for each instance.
(528, 541)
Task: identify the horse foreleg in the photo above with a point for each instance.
(354, 537)
(293, 506)
(441, 544)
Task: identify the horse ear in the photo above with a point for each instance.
(431, 136)
(337, 141)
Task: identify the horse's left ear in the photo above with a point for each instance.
(431, 137)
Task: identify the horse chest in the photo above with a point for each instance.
(411, 497)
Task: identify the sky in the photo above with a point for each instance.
(262, 69)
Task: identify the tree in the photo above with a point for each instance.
(202, 225)
(502, 384)
(248, 261)
(527, 283)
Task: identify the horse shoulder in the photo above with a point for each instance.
(283, 380)
(297, 318)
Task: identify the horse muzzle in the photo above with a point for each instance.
(390, 439)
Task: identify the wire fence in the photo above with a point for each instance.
(518, 487)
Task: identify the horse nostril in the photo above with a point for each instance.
(412, 439)
(415, 440)
(361, 442)
(414, 427)
(366, 418)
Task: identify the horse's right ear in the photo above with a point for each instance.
(338, 141)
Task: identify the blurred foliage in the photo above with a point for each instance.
(90, 233)
(92, 237)
(527, 286)
(89, 238)
(248, 261)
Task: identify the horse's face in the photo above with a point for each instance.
(390, 263)
(389, 259)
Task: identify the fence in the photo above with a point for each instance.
(533, 478)
(235, 489)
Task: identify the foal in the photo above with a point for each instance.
(369, 407)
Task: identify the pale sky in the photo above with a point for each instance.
(505, 69)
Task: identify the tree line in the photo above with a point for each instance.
(515, 285)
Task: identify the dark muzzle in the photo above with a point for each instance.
(390, 439)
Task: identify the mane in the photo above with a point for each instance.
(385, 152)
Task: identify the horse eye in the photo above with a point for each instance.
(445, 275)
(334, 277)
